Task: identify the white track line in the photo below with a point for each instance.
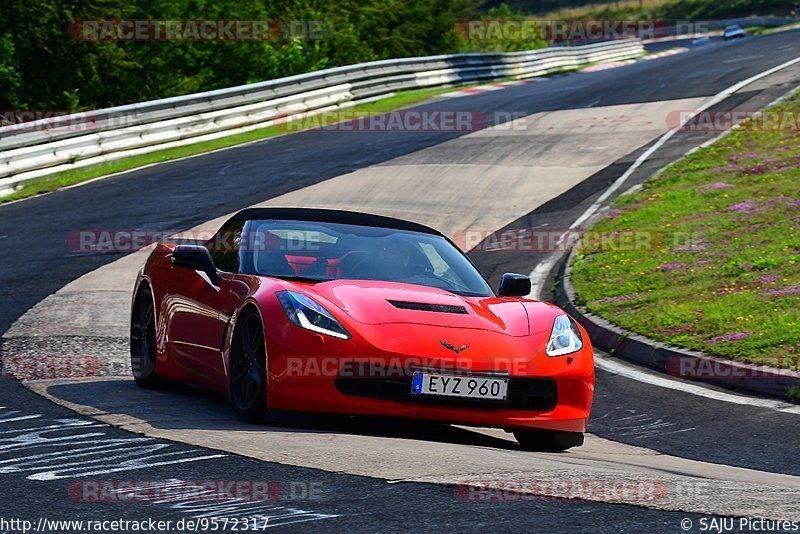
(539, 274)
(628, 371)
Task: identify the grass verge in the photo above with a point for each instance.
(74, 176)
(707, 254)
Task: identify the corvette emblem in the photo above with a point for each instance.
(457, 350)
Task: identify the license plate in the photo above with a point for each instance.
(470, 387)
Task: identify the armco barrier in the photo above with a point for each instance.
(35, 149)
(681, 31)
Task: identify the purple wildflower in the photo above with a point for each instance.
(744, 207)
(714, 187)
(746, 155)
(676, 330)
(758, 170)
(727, 168)
(668, 267)
(736, 336)
(789, 291)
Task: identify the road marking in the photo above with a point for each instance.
(628, 371)
(608, 66)
(740, 59)
(640, 425)
(471, 91)
(53, 449)
(666, 53)
(542, 270)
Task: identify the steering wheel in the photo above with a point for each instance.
(356, 264)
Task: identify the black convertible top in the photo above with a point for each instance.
(331, 216)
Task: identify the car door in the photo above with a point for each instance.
(198, 312)
(195, 321)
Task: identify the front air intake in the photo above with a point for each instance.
(422, 306)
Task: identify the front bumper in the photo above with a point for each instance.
(313, 373)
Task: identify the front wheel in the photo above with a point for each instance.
(248, 368)
(548, 441)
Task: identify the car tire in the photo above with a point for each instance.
(143, 341)
(248, 368)
(548, 441)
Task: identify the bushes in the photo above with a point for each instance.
(43, 67)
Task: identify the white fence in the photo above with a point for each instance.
(36, 149)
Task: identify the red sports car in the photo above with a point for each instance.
(339, 312)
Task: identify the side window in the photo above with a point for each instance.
(224, 246)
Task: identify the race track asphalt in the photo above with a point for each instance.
(181, 194)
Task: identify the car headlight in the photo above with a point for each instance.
(307, 313)
(565, 337)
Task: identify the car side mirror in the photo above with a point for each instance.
(195, 257)
(514, 285)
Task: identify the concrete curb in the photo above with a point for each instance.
(675, 361)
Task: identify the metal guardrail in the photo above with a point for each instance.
(696, 29)
(35, 149)
(750, 22)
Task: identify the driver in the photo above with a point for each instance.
(395, 256)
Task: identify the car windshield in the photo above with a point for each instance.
(322, 251)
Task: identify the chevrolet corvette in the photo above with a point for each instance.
(323, 311)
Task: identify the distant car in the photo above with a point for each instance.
(349, 313)
(701, 41)
(734, 31)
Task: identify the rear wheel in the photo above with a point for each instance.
(248, 368)
(143, 340)
(545, 440)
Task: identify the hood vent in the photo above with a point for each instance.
(421, 306)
